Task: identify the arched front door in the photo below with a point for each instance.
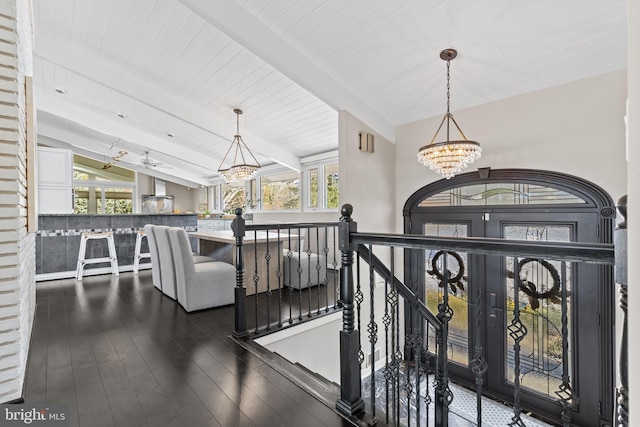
(529, 205)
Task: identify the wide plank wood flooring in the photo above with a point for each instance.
(119, 353)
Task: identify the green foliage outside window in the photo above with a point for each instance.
(313, 188)
(332, 185)
(234, 197)
(281, 191)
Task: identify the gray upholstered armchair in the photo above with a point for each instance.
(155, 257)
(203, 285)
(303, 268)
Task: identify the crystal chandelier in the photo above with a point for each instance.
(239, 170)
(449, 157)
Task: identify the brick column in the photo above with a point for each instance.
(17, 245)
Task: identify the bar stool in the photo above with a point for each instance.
(82, 260)
(138, 255)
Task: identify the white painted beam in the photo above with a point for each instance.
(60, 138)
(117, 128)
(232, 19)
(93, 67)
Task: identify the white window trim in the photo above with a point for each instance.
(312, 162)
(113, 184)
(322, 197)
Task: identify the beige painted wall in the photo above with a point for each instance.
(367, 180)
(576, 128)
(183, 199)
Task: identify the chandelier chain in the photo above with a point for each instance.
(448, 87)
(449, 157)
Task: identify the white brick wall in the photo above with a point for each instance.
(17, 247)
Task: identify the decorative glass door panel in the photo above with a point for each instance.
(457, 266)
(540, 299)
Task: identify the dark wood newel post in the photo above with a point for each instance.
(350, 403)
(620, 241)
(238, 227)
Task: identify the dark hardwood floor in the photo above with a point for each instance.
(119, 353)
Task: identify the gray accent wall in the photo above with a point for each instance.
(58, 238)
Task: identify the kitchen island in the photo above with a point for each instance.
(58, 240)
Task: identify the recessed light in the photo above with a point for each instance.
(60, 91)
(122, 115)
(170, 135)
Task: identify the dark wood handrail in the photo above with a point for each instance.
(406, 293)
(599, 253)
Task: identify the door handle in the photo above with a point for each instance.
(495, 312)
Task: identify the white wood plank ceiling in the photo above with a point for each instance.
(180, 67)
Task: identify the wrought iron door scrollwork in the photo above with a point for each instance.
(531, 289)
(455, 282)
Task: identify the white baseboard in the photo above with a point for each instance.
(87, 272)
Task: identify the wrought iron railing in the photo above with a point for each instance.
(396, 390)
(285, 274)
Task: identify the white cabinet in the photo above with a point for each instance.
(55, 181)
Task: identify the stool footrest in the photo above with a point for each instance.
(96, 260)
(82, 260)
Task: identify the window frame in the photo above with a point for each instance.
(322, 185)
(102, 185)
(274, 172)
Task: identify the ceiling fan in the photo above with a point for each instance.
(147, 162)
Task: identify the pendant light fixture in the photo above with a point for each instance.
(239, 170)
(449, 157)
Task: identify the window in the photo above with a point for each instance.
(233, 196)
(332, 186)
(322, 185)
(215, 198)
(203, 199)
(313, 188)
(101, 190)
(281, 191)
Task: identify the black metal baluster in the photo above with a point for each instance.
(299, 272)
(517, 331)
(443, 393)
(565, 393)
(240, 297)
(326, 269)
(309, 287)
(372, 329)
(256, 276)
(417, 354)
(290, 285)
(397, 357)
(279, 275)
(478, 363)
(267, 257)
(622, 407)
(358, 297)
(317, 267)
(386, 321)
(408, 387)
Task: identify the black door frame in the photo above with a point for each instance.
(598, 202)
